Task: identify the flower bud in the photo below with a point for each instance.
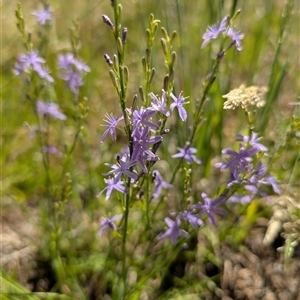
(108, 21)
(108, 60)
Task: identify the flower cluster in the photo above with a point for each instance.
(193, 216)
(32, 61)
(248, 176)
(72, 71)
(247, 171)
(145, 138)
(224, 28)
(245, 97)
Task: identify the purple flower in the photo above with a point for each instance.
(179, 102)
(143, 158)
(43, 15)
(65, 62)
(74, 80)
(159, 184)
(174, 231)
(139, 117)
(253, 141)
(159, 105)
(68, 60)
(50, 108)
(112, 123)
(236, 38)
(141, 143)
(239, 160)
(187, 153)
(210, 207)
(112, 185)
(52, 150)
(240, 199)
(73, 71)
(213, 31)
(107, 223)
(192, 219)
(122, 167)
(272, 181)
(32, 61)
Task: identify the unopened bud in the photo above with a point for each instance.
(120, 45)
(144, 65)
(164, 46)
(116, 62)
(108, 21)
(141, 92)
(173, 36)
(124, 35)
(152, 75)
(113, 78)
(108, 60)
(166, 83)
(134, 102)
(173, 58)
(126, 74)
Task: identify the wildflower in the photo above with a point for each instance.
(141, 143)
(179, 102)
(187, 153)
(159, 184)
(143, 158)
(122, 167)
(52, 150)
(159, 105)
(214, 31)
(139, 117)
(112, 185)
(43, 15)
(107, 223)
(253, 141)
(236, 37)
(32, 61)
(112, 123)
(239, 160)
(174, 231)
(192, 219)
(74, 80)
(73, 71)
(240, 199)
(50, 108)
(210, 207)
(245, 97)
